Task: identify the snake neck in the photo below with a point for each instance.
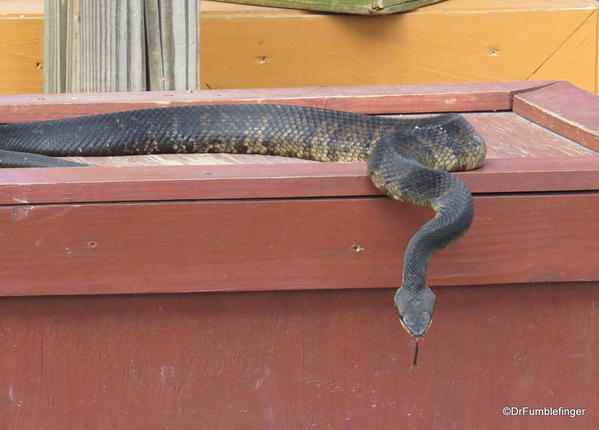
(404, 178)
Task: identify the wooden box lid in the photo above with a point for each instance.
(270, 223)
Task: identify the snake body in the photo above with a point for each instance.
(408, 159)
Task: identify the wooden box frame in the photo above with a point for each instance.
(311, 226)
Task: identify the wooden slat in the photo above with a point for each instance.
(286, 244)
(508, 135)
(92, 47)
(262, 360)
(472, 40)
(284, 180)
(22, 51)
(565, 109)
(451, 41)
(360, 7)
(368, 99)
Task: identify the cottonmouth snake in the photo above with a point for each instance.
(407, 160)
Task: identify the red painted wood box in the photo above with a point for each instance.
(272, 279)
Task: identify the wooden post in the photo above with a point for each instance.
(121, 45)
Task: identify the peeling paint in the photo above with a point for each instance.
(20, 212)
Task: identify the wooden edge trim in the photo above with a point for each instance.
(564, 109)
(387, 99)
(289, 180)
(244, 245)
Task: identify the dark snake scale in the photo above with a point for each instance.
(408, 159)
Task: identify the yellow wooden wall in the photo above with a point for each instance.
(452, 41)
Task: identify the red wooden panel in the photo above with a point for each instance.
(296, 359)
(105, 184)
(299, 360)
(491, 96)
(286, 244)
(565, 109)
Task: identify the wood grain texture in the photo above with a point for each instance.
(565, 109)
(508, 135)
(456, 41)
(540, 40)
(298, 360)
(366, 99)
(360, 7)
(573, 57)
(22, 53)
(121, 45)
(277, 180)
(287, 244)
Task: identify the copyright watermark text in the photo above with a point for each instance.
(515, 411)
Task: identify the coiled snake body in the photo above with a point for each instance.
(408, 159)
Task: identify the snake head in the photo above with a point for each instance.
(415, 307)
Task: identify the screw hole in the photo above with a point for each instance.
(356, 247)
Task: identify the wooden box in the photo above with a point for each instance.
(272, 280)
(359, 7)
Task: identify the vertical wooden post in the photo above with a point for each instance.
(121, 45)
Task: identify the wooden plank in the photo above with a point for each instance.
(261, 360)
(278, 180)
(367, 99)
(509, 135)
(93, 48)
(428, 57)
(20, 7)
(456, 41)
(22, 50)
(573, 57)
(360, 7)
(565, 109)
(287, 244)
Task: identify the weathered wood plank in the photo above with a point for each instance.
(260, 360)
(276, 180)
(91, 47)
(387, 99)
(287, 244)
(565, 109)
(508, 135)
